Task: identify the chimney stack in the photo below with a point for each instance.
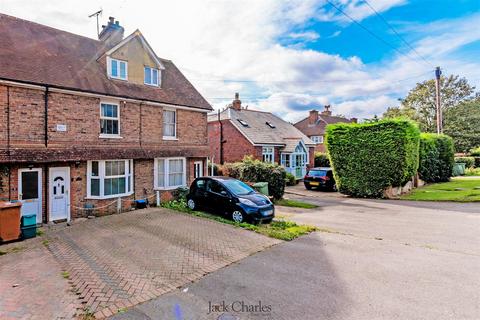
(112, 33)
(237, 104)
(327, 111)
(354, 120)
(313, 117)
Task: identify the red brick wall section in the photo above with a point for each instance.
(320, 147)
(236, 145)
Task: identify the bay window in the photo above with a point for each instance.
(169, 173)
(109, 178)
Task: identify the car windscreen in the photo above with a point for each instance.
(238, 187)
(317, 173)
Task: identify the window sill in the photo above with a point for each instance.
(110, 136)
(170, 138)
(109, 197)
(169, 188)
(151, 85)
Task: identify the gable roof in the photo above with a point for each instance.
(34, 53)
(318, 127)
(258, 132)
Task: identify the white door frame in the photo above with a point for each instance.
(200, 162)
(20, 188)
(67, 190)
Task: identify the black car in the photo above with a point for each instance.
(320, 178)
(230, 197)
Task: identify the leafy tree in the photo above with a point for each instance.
(420, 103)
(463, 125)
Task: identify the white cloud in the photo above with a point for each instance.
(306, 36)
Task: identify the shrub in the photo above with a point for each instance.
(472, 172)
(475, 152)
(290, 179)
(469, 161)
(367, 158)
(321, 160)
(446, 156)
(180, 193)
(428, 158)
(250, 170)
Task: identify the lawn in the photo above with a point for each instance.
(459, 189)
(295, 204)
(278, 229)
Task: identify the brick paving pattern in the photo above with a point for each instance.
(119, 261)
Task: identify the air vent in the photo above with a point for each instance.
(271, 125)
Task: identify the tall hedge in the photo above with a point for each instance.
(251, 170)
(446, 156)
(429, 161)
(368, 158)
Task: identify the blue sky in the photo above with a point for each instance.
(291, 56)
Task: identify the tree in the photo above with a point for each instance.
(420, 103)
(463, 125)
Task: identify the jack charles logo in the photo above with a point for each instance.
(239, 307)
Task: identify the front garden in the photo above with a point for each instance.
(458, 189)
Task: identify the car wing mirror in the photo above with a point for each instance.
(225, 193)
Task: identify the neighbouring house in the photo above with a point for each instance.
(237, 132)
(314, 125)
(85, 122)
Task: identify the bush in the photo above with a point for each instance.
(321, 160)
(250, 170)
(446, 156)
(368, 158)
(180, 193)
(290, 179)
(469, 161)
(429, 162)
(475, 152)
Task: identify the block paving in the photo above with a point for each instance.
(115, 262)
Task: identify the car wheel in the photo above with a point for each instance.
(191, 204)
(238, 216)
(308, 187)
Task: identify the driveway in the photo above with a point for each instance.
(105, 265)
(372, 260)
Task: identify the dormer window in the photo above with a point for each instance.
(151, 76)
(117, 69)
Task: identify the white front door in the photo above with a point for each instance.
(30, 192)
(198, 169)
(59, 191)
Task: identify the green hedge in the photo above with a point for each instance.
(321, 160)
(475, 152)
(446, 156)
(469, 161)
(367, 158)
(429, 161)
(250, 170)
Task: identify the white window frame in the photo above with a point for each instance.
(174, 137)
(166, 171)
(108, 135)
(151, 76)
(268, 154)
(109, 69)
(101, 177)
(317, 139)
(199, 165)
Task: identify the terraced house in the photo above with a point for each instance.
(86, 121)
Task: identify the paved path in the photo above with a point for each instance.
(116, 262)
(373, 260)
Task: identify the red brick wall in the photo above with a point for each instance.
(81, 115)
(320, 147)
(236, 145)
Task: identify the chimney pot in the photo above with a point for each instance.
(112, 33)
(237, 104)
(327, 111)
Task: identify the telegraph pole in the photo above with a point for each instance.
(438, 73)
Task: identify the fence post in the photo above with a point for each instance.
(119, 205)
(158, 198)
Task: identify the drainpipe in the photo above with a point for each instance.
(8, 146)
(46, 116)
(221, 137)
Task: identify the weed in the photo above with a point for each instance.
(66, 274)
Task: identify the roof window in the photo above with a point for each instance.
(242, 122)
(271, 125)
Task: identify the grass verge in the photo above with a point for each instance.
(295, 204)
(278, 229)
(459, 190)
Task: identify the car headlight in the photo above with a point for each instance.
(247, 202)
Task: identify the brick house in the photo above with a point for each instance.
(236, 132)
(314, 126)
(85, 122)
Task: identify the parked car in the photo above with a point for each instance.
(230, 197)
(320, 178)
